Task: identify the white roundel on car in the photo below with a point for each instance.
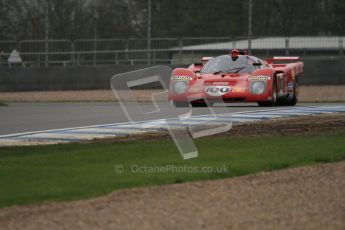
(217, 91)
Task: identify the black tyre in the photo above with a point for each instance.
(265, 104)
(201, 104)
(180, 104)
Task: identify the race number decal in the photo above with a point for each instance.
(217, 91)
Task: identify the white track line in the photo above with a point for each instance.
(78, 134)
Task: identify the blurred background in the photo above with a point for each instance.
(122, 35)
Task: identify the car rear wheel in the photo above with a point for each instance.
(291, 101)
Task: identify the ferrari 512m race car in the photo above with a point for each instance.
(237, 77)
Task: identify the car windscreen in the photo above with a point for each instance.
(225, 64)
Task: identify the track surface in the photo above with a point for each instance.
(204, 124)
(29, 117)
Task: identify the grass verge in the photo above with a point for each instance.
(67, 172)
(3, 103)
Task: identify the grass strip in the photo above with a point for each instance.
(75, 171)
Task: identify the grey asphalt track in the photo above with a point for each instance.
(29, 117)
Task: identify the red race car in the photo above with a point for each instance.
(237, 77)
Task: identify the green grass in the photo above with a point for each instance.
(75, 171)
(3, 103)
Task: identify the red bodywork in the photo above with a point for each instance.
(279, 78)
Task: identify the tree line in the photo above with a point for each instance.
(72, 19)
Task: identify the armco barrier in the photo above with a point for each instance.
(324, 71)
(318, 71)
(61, 78)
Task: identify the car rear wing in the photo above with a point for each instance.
(206, 59)
(282, 59)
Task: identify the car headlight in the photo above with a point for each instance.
(257, 87)
(180, 87)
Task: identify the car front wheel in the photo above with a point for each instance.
(180, 104)
(274, 96)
